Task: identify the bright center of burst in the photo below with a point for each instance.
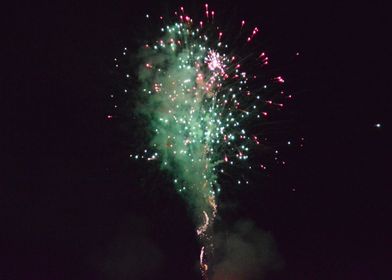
(214, 61)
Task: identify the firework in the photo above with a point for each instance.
(204, 101)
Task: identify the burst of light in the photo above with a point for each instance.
(201, 99)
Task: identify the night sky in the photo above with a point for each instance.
(73, 206)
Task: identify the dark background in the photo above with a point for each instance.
(74, 207)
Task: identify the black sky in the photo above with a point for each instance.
(73, 206)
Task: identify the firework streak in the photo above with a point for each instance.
(200, 102)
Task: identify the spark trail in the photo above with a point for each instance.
(202, 105)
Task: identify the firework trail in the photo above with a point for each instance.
(202, 106)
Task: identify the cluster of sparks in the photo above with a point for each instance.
(201, 101)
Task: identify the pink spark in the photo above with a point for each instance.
(201, 256)
(279, 79)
